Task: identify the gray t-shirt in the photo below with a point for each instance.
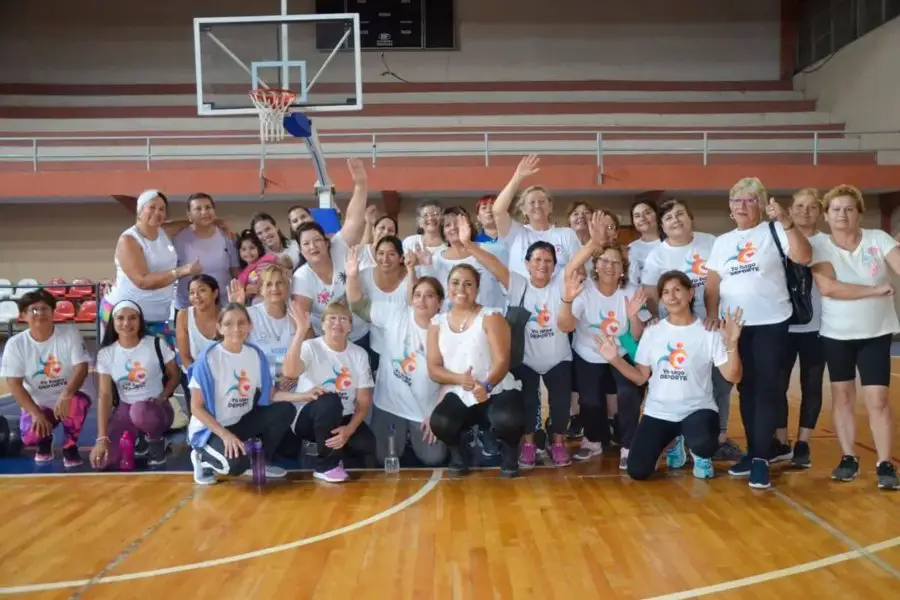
(217, 256)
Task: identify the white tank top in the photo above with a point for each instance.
(460, 351)
(160, 256)
(198, 342)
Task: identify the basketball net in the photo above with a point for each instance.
(272, 105)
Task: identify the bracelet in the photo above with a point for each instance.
(564, 301)
(102, 439)
(175, 274)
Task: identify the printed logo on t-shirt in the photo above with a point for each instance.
(744, 259)
(253, 277)
(543, 318)
(50, 372)
(696, 265)
(405, 366)
(608, 325)
(323, 297)
(671, 365)
(135, 376)
(341, 382)
(871, 259)
(239, 393)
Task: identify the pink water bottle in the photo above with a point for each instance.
(126, 452)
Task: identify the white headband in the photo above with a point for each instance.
(120, 306)
(146, 197)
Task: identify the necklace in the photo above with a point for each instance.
(464, 324)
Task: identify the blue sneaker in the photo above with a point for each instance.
(703, 467)
(676, 456)
(759, 474)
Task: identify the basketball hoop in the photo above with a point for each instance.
(272, 105)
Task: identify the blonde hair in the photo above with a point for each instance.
(336, 308)
(623, 252)
(811, 192)
(520, 203)
(270, 271)
(750, 186)
(845, 189)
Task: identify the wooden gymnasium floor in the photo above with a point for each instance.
(580, 532)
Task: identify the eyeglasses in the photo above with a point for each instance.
(431, 215)
(610, 263)
(743, 200)
(333, 319)
(39, 310)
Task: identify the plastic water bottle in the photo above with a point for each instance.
(392, 461)
(257, 461)
(126, 452)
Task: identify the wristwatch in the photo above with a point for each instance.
(487, 386)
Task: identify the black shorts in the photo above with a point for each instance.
(871, 356)
(609, 384)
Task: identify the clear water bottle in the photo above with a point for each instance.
(257, 460)
(392, 461)
(126, 452)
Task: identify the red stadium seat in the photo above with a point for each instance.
(82, 289)
(65, 311)
(56, 292)
(87, 312)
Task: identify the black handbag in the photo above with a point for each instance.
(799, 284)
(517, 317)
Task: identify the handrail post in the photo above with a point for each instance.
(600, 151)
(705, 148)
(816, 148)
(149, 152)
(374, 149)
(487, 150)
(34, 154)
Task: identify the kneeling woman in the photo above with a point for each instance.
(231, 401)
(334, 373)
(138, 375)
(468, 354)
(676, 358)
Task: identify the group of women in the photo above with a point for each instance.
(360, 343)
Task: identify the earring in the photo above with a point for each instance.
(731, 216)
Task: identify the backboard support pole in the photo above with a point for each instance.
(283, 49)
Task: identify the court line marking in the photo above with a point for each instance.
(821, 563)
(837, 533)
(58, 585)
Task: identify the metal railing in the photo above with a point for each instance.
(385, 144)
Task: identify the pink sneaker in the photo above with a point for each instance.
(335, 475)
(528, 455)
(560, 455)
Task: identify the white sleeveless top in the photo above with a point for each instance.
(273, 336)
(460, 351)
(198, 342)
(159, 254)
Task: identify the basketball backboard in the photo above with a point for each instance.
(317, 56)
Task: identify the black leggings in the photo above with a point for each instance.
(809, 347)
(269, 423)
(762, 354)
(502, 413)
(559, 396)
(701, 434)
(316, 422)
(593, 385)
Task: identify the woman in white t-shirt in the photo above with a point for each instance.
(45, 367)
(387, 283)
(645, 218)
(536, 204)
(852, 267)
(675, 358)
(336, 373)
(428, 238)
(197, 327)
(321, 280)
(468, 355)
(233, 399)
(138, 375)
(275, 242)
(607, 305)
(687, 251)
(377, 228)
(404, 393)
(272, 329)
(803, 341)
(745, 270)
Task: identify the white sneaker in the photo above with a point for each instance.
(203, 474)
(623, 459)
(272, 471)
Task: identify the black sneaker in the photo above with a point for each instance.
(141, 446)
(509, 462)
(759, 474)
(44, 452)
(780, 452)
(156, 453)
(615, 431)
(801, 458)
(540, 440)
(575, 430)
(490, 446)
(742, 467)
(847, 470)
(887, 476)
(459, 461)
(71, 457)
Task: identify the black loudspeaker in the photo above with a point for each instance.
(440, 24)
(10, 440)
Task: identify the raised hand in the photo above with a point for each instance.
(423, 256)
(775, 211)
(528, 166)
(731, 330)
(636, 302)
(464, 229)
(351, 263)
(357, 171)
(371, 215)
(607, 347)
(573, 285)
(410, 260)
(597, 229)
(301, 318)
(236, 292)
